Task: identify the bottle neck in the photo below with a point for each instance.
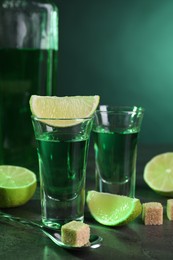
(28, 24)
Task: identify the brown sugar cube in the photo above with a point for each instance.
(169, 209)
(75, 233)
(152, 213)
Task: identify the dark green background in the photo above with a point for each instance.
(123, 51)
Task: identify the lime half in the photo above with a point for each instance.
(113, 210)
(158, 173)
(72, 107)
(17, 185)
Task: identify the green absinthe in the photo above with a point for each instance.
(63, 172)
(23, 72)
(115, 154)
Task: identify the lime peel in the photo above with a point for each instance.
(111, 209)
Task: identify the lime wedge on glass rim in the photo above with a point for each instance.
(74, 108)
(111, 209)
(158, 174)
(17, 185)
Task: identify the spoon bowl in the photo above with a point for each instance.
(54, 234)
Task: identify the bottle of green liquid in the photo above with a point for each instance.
(28, 65)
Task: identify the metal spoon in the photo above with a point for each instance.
(94, 241)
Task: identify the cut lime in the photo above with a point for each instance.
(64, 108)
(158, 173)
(111, 209)
(17, 185)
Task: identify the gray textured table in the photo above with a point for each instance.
(133, 241)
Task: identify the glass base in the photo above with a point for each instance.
(57, 223)
(126, 188)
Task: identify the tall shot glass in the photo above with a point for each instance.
(115, 131)
(62, 147)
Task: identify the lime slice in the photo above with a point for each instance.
(73, 107)
(111, 209)
(17, 185)
(158, 173)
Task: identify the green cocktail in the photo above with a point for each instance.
(115, 135)
(62, 154)
(62, 169)
(115, 161)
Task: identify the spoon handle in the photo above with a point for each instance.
(8, 217)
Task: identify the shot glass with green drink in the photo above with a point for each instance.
(62, 146)
(115, 132)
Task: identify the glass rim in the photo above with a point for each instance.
(119, 109)
(61, 119)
